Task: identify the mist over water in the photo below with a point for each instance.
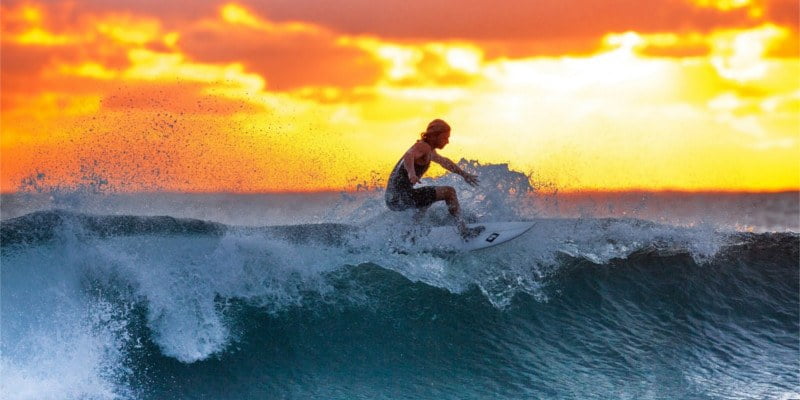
(503, 192)
(166, 295)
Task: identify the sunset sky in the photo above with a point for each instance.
(298, 95)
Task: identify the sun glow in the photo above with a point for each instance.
(739, 55)
(236, 14)
(465, 59)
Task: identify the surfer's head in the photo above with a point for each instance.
(437, 134)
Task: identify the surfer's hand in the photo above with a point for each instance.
(414, 179)
(472, 180)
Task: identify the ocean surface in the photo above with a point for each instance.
(304, 296)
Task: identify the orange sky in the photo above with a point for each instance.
(313, 95)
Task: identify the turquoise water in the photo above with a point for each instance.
(157, 307)
(300, 296)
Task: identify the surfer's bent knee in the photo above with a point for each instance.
(445, 193)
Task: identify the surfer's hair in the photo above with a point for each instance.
(435, 128)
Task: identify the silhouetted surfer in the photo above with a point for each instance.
(400, 191)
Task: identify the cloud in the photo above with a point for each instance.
(20, 64)
(234, 96)
(29, 71)
(40, 49)
(61, 15)
(783, 12)
(512, 20)
(521, 28)
(288, 55)
(767, 41)
(115, 55)
(518, 26)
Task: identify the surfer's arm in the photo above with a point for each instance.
(449, 165)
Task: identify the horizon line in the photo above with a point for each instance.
(351, 191)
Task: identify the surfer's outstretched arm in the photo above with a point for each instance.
(449, 165)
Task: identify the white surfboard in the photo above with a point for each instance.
(447, 238)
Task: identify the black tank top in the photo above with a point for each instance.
(398, 180)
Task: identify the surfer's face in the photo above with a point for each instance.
(442, 140)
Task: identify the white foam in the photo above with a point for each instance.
(180, 279)
(58, 343)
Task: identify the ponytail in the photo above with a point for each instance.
(435, 128)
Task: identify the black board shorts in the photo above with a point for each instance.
(399, 200)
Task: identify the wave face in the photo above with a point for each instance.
(141, 306)
(158, 307)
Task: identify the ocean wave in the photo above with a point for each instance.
(139, 303)
(687, 328)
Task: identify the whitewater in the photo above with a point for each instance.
(106, 295)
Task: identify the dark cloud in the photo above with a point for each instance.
(62, 15)
(19, 60)
(21, 69)
(784, 12)
(507, 20)
(513, 28)
(30, 69)
(287, 60)
(449, 19)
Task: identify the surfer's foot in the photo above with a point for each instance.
(471, 233)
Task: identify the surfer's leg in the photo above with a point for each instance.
(421, 199)
(448, 194)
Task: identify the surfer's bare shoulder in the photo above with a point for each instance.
(420, 149)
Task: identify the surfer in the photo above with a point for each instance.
(400, 191)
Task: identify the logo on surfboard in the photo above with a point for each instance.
(492, 237)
